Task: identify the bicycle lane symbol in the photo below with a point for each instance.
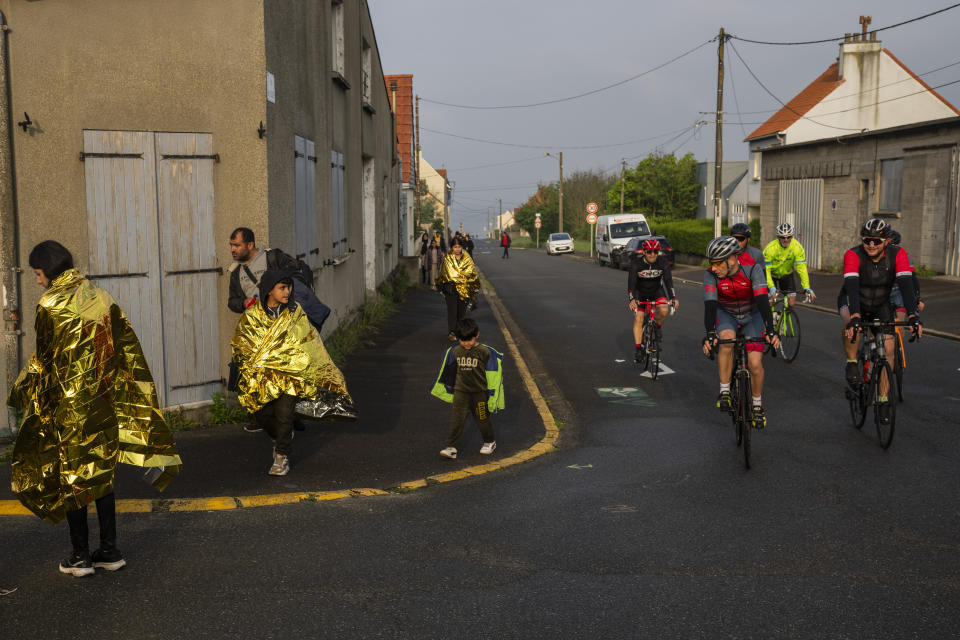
(633, 396)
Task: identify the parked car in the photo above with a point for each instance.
(632, 248)
(559, 243)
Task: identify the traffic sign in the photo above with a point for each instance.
(592, 208)
(592, 218)
(536, 224)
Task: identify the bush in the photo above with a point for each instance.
(687, 236)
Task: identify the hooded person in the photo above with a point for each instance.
(88, 402)
(284, 368)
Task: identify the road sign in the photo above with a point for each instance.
(536, 224)
(592, 218)
(592, 208)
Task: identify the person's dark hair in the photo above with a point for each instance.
(467, 329)
(246, 235)
(52, 258)
(455, 242)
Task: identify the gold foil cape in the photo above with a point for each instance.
(285, 355)
(88, 402)
(462, 274)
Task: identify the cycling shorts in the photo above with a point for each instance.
(752, 327)
(657, 297)
(787, 284)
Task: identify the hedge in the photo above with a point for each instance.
(692, 236)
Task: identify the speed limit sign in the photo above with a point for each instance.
(592, 208)
(536, 224)
(592, 218)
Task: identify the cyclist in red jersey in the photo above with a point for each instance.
(649, 281)
(747, 254)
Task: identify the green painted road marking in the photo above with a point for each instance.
(580, 466)
(621, 392)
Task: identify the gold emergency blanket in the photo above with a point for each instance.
(285, 355)
(462, 274)
(88, 402)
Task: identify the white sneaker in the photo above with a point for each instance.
(281, 465)
(488, 447)
(449, 452)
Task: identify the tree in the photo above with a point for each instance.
(428, 205)
(660, 185)
(580, 188)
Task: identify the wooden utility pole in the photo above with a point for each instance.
(417, 136)
(499, 211)
(718, 168)
(623, 174)
(561, 192)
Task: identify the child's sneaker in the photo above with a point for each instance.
(110, 560)
(77, 565)
(488, 447)
(449, 452)
(281, 465)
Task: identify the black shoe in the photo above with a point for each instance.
(77, 565)
(759, 418)
(853, 374)
(638, 354)
(724, 401)
(110, 560)
(883, 412)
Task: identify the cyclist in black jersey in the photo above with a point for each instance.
(649, 281)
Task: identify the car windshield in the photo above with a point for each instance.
(559, 236)
(629, 229)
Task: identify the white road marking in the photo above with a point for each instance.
(619, 360)
(664, 371)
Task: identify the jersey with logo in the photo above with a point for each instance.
(874, 280)
(735, 293)
(781, 260)
(649, 281)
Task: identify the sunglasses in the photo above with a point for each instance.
(717, 263)
(873, 241)
(650, 251)
(740, 238)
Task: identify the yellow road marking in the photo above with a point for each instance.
(226, 503)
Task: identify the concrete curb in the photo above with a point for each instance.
(228, 503)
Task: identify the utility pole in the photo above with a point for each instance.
(718, 163)
(417, 136)
(623, 173)
(561, 192)
(499, 210)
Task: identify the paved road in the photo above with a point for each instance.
(643, 524)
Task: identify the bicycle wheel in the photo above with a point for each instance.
(644, 353)
(898, 364)
(885, 431)
(789, 335)
(653, 359)
(735, 414)
(746, 415)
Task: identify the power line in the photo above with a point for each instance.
(892, 26)
(551, 147)
(568, 98)
(496, 164)
(736, 100)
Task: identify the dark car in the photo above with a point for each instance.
(632, 248)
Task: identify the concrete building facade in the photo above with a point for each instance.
(142, 146)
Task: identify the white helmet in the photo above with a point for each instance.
(722, 248)
(785, 230)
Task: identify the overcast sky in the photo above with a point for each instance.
(500, 52)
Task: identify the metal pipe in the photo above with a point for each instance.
(9, 269)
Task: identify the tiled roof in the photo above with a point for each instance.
(801, 103)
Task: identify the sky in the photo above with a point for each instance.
(518, 52)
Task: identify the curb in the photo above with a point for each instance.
(546, 444)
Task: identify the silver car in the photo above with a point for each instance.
(559, 243)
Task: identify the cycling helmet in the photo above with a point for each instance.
(875, 228)
(785, 230)
(740, 229)
(722, 248)
(894, 237)
(651, 245)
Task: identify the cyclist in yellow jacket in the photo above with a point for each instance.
(781, 256)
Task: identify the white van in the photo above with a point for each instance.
(614, 232)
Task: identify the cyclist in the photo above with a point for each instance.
(741, 231)
(735, 295)
(781, 256)
(649, 282)
(869, 273)
(895, 296)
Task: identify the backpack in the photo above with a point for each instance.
(297, 267)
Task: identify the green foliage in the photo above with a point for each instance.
(660, 185)
(177, 421)
(687, 236)
(429, 208)
(924, 272)
(437, 225)
(6, 452)
(223, 413)
(755, 233)
(579, 189)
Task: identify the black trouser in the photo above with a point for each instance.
(506, 249)
(276, 418)
(463, 404)
(456, 310)
(106, 516)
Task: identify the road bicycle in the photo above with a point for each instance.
(872, 365)
(787, 324)
(652, 339)
(741, 393)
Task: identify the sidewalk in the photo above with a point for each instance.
(397, 438)
(941, 295)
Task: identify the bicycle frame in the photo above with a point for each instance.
(872, 359)
(741, 390)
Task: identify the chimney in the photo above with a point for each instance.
(860, 52)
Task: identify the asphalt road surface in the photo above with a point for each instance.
(644, 524)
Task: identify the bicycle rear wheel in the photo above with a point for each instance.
(789, 335)
(735, 414)
(885, 431)
(746, 415)
(653, 358)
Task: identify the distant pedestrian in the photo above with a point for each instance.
(424, 246)
(434, 259)
(88, 402)
(505, 243)
(282, 360)
(459, 282)
(471, 377)
(468, 244)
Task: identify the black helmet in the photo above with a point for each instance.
(894, 237)
(875, 228)
(740, 229)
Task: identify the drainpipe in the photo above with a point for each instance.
(9, 279)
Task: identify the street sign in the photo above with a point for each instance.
(592, 208)
(592, 218)
(536, 224)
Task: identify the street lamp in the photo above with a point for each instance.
(559, 157)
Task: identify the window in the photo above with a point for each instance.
(891, 181)
(337, 219)
(305, 160)
(756, 165)
(629, 229)
(336, 37)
